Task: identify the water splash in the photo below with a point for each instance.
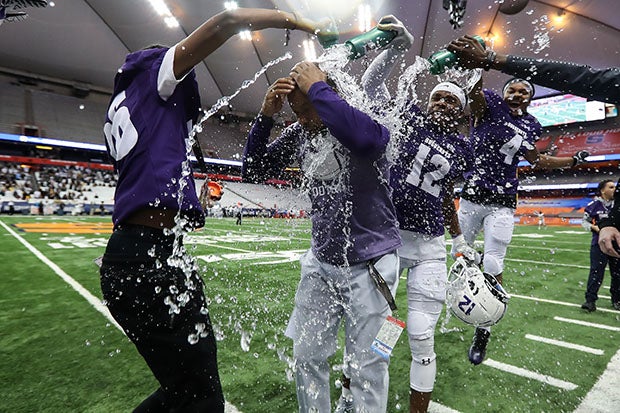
(542, 38)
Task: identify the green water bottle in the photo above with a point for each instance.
(444, 59)
(372, 39)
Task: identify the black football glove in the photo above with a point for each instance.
(580, 157)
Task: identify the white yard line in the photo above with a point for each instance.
(435, 407)
(604, 396)
(555, 264)
(543, 300)
(94, 301)
(587, 324)
(530, 374)
(565, 344)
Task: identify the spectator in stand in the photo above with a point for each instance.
(597, 210)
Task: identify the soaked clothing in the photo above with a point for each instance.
(499, 140)
(164, 313)
(346, 173)
(353, 222)
(160, 306)
(428, 160)
(147, 125)
(594, 212)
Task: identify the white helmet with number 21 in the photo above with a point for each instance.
(473, 297)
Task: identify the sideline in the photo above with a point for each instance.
(94, 301)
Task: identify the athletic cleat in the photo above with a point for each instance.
(345, 405)
(478, 348)
(616, 305)
(589, 306)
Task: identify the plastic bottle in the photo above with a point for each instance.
(444, 59)
(372, 39)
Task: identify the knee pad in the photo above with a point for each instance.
(492, 265)
(421, 331)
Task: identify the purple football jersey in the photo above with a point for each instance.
(147, 126)
(594, 212)
(499, 140)
(346, 170)
(427, 160)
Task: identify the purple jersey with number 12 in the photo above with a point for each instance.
(427, 159)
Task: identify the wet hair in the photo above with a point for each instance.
(601, 185)
(514, 80)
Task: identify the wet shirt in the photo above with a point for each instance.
(147, 125)
(346, 176)
(499, 140)
(594, 212)
(427, 160)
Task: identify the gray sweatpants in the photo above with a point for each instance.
(326, 296)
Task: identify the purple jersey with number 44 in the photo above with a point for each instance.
(499, 140)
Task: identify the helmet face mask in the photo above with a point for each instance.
(473, 297)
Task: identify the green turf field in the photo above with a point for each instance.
(60, 354)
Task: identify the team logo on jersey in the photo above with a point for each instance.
(324, 158)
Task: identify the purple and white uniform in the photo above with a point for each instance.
(489, 197)
(146, 129)
(428, 162)
(353, 222)
(499, 140)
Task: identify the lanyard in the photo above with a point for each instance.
(381, 285)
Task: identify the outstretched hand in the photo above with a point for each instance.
(305, 74)
(403, 40)
(608, 238)
(580, 157)
(470, 53)
(275, 96)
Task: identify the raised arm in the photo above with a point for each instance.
(373, 79)
(581, 80)
(218, 29)
(262, 160)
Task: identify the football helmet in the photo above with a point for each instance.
(474, 297)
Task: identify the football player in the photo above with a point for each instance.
(503, 132)
(431, 155)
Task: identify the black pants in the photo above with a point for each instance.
(598, 262)
(164, 313)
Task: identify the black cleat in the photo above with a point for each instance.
(589, 306)
(478, 348)
(616, 305)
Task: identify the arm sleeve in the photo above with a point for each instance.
(373, 80)
(262, 160)
(581, 80)
(357, 131)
